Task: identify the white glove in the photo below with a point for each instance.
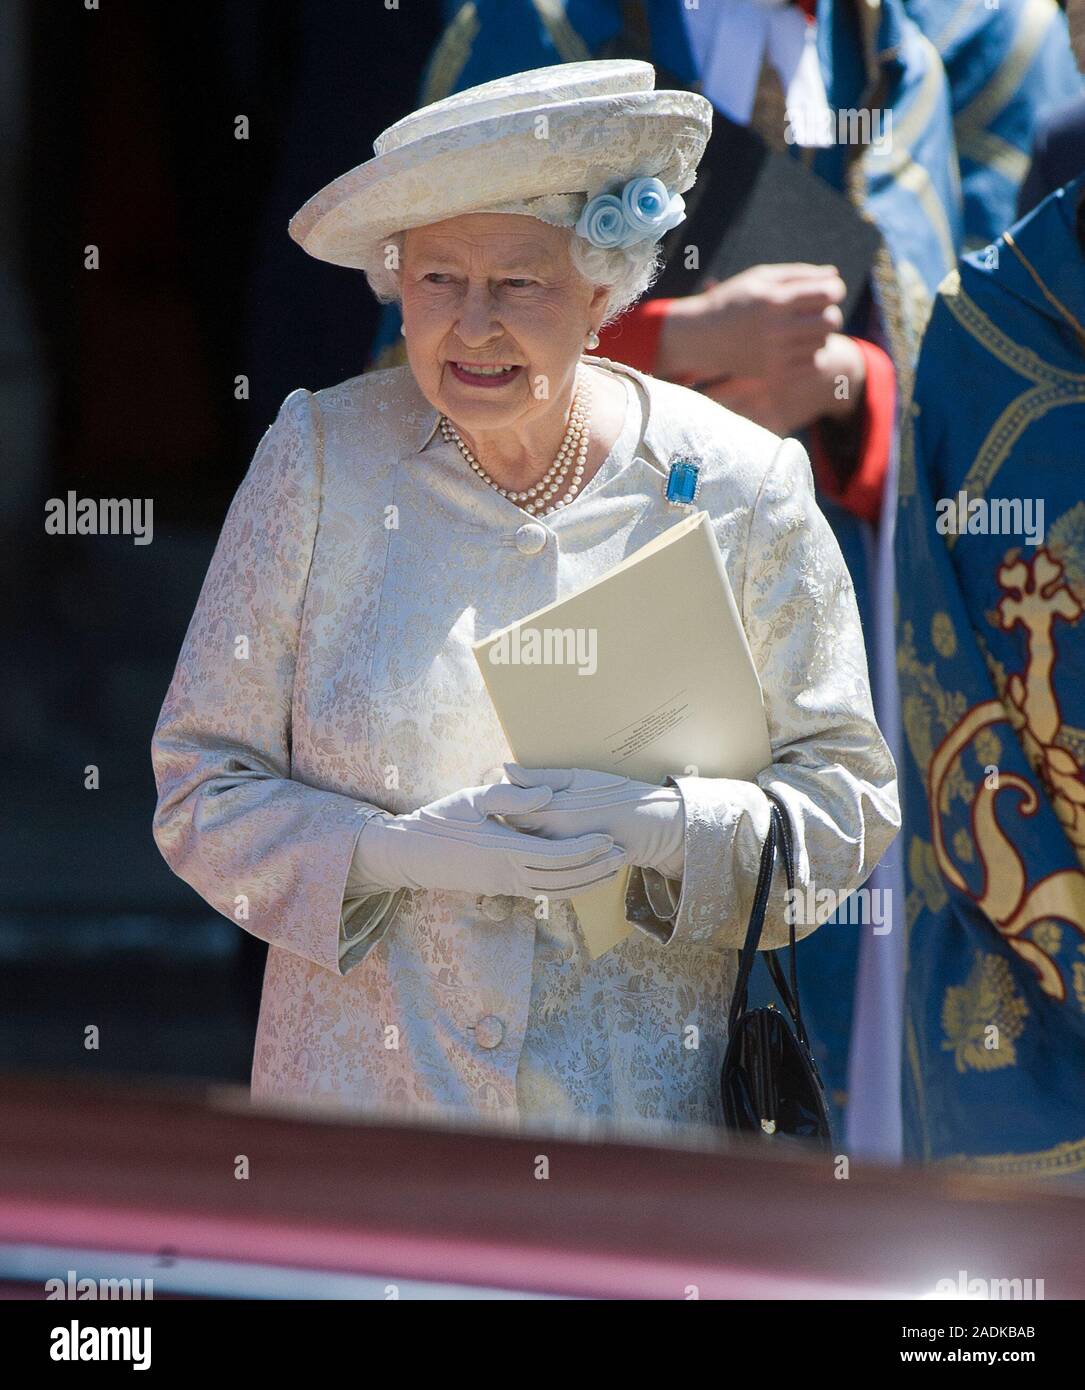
(455, 843)
(648, 821)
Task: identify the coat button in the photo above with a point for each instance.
(489, 1031)
(496, 909)
(531, 538)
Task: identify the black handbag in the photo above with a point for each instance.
(769, 1083)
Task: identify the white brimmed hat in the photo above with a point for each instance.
(544, 141)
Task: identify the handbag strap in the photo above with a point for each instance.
(777, 842)
(756, 922)
(790, 996)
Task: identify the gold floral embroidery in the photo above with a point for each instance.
(924, 874)
(925, 704)
(986, 1000)
(962, 846)
(988, 748)
(1047, 934)
(1066, 541)
(943, 636)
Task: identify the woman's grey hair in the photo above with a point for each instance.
(626, 271)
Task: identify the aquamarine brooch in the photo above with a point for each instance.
(683, 481)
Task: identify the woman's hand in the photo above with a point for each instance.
(648, 821)
(456, 844)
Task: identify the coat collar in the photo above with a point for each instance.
(422, 418)
(1045, 268)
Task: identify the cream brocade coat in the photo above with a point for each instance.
(358, 570)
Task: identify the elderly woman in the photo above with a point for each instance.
(331, 771)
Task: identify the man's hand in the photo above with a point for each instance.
(768, 318)
(831, 386)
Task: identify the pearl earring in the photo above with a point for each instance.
(592, 340)
(403, 329)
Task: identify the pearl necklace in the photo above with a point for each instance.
(539, 500)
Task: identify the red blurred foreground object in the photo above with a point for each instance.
(142, 1171)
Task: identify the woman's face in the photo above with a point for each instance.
(490, 290)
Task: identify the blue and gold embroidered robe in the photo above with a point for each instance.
(1007, 64)
(992, 667)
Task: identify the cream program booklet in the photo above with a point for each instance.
(645, 672)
